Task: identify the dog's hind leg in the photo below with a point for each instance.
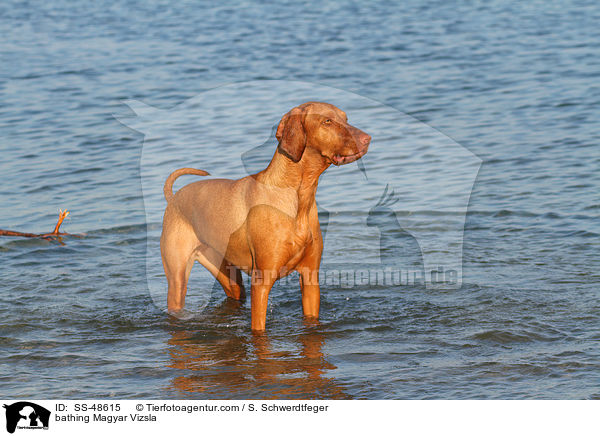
(177, 251)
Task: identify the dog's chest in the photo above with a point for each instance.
(302, 234)
(297, 245)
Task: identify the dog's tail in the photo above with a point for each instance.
(168, 189)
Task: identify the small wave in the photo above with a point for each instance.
(132, 228)
(86, 170)
(506, 337)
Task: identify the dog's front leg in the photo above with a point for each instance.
(309, 277)
(262, 282)
(311, 292)
(309, 268)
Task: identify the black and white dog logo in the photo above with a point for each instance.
(26, 415)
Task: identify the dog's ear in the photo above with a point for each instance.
(291, 134)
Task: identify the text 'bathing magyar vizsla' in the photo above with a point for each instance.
(265, 224)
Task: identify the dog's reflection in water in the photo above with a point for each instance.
(229, 363)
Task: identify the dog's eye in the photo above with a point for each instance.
(327, 121)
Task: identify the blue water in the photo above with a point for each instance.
(515, 84)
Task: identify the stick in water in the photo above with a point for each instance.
(56, 233)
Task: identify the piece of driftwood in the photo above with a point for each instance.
(55, 234)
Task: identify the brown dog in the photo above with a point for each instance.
(265, 224)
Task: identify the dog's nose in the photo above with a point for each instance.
(365, 139)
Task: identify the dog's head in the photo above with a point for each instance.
(324, 128)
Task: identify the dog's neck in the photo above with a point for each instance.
(302, 176)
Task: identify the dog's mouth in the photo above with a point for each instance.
(345, 159)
